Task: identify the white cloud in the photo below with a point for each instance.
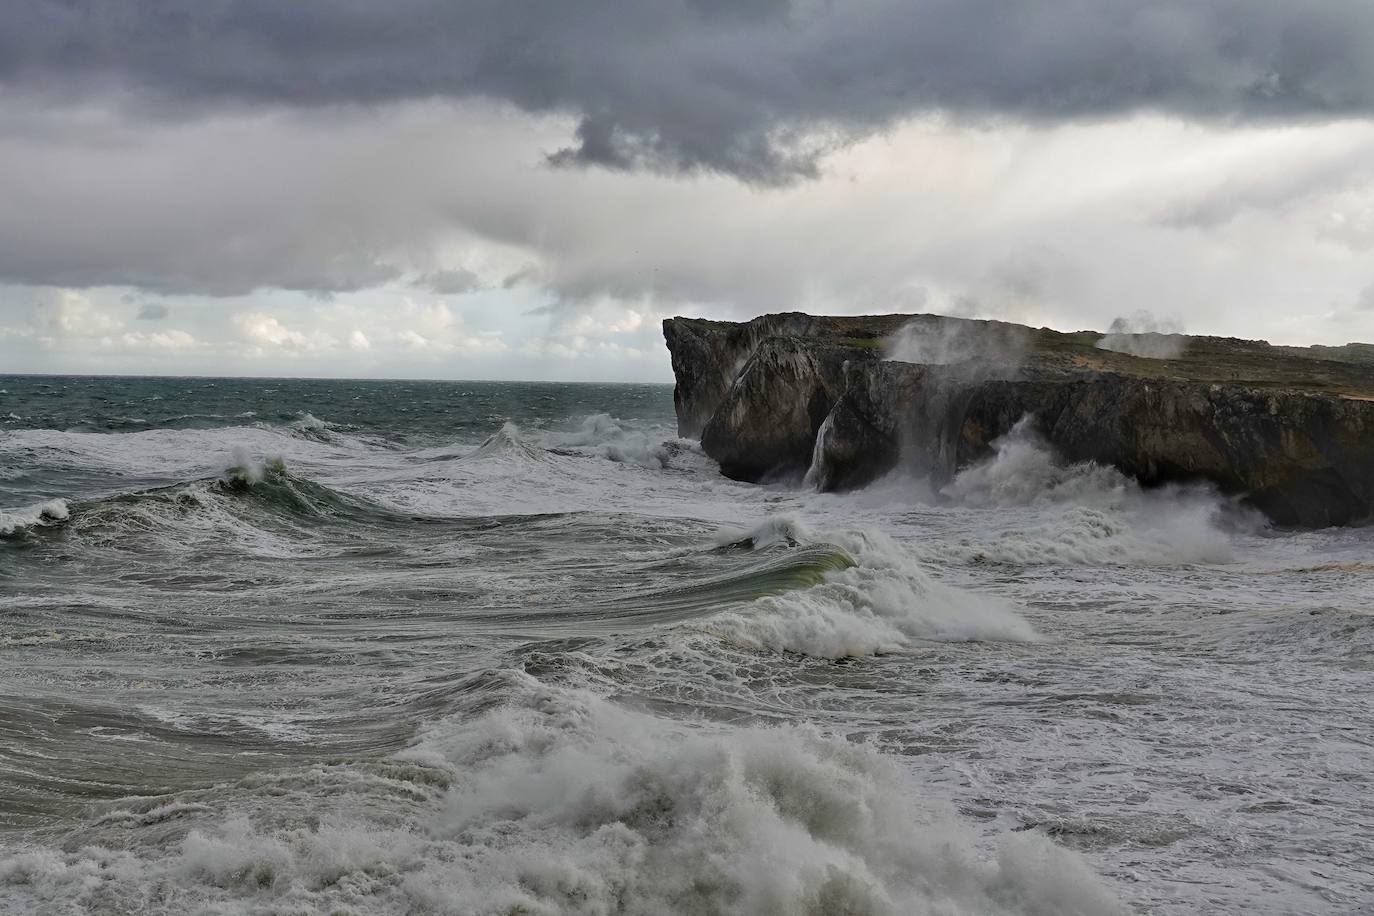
(1070, 226)
(412, 339)
(157, 340)
(555, 349)
(266, 331)
(69, 313)
(436, 327)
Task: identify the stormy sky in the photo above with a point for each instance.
(512, 189)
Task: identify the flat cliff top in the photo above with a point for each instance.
(1346, 371)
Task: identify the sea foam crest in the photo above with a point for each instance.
(508, 443)
(885, 602)
(615, 439)
(559, 801)
(13, 521)
(584, 806)
(1086, 514)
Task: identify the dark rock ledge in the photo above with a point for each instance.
(1290, 429)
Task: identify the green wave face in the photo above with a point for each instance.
(781, 570)
(275, 489)
(746, 577)
(266, 496)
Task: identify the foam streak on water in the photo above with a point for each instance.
(367, 647)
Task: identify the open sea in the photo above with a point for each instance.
(333, 647)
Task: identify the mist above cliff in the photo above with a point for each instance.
(983, 348)
(1143, 335)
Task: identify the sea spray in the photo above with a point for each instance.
(1090, 514)
(14, 521)
(507, 444)
(1143, 335)
(577, 802)
(885, 602)
(614, 439)
(559, 801)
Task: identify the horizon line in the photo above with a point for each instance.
(318, 378)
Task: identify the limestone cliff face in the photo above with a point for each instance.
(765, 426)
(708, 356)
(782, 394)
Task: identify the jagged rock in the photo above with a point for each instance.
(1293, 432)
(766, 424)
(889, 412)
(707, 355)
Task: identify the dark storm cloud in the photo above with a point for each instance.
(449, 282)
(755, 89)
(152, 311)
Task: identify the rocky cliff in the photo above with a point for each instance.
(846, 400)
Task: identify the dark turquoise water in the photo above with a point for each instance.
(400, 411)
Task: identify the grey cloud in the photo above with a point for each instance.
(755, 89)
(152, 311)
(449, 282)
(1365, 303)
(1033, 273)
(222, 207)
(1284, 185)
(276, 200)
(522, 276)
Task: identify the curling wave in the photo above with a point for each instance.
(17, 521)
(882, 601)
(558, 801)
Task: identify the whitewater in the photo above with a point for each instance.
(288, 646)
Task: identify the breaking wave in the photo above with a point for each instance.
(881, 602)
(258, 504)
(1088, 514)
(276, 489)
(49, 512)
(614, 439)
(508, 443)
(558, 801)
(597, 435)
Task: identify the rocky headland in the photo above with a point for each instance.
(845, 400)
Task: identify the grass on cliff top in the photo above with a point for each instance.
(1222, 360)
(1347, 370)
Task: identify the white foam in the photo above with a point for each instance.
(173, 453)
(307, 422)
(1083, 514)
(773, 530)
(559, 801)
(884, 603)
(614, 439)
(44, 513)
(508, 444)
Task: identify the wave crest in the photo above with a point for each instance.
(508, 443)
(885, 602)
(580, 805)
(558, 801)
(17, 521)
(1087, 514)
(614, 439)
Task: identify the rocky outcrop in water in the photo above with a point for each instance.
(782, 395)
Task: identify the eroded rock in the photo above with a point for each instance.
(1290, 429)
